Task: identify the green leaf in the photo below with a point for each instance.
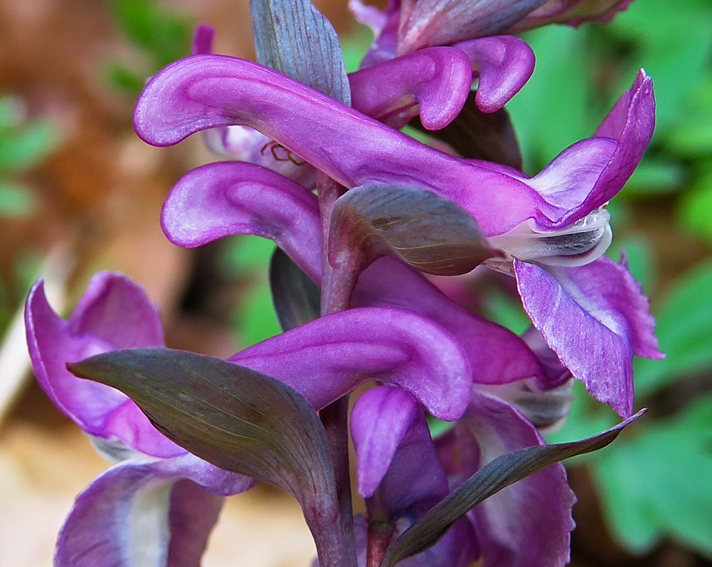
(695, 206)
(164, 35)
(490, 479)
(297, 299)
(16, 201)
(684, 328)
(654, 176)
(234, 418)
(428, 232)
(24, 147)
(658, 483)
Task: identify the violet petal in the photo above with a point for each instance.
(433, 82)
(114, 313)
(327, 358)
(528, 523)
(382, 421)
(595, 318)
(227, 198)
(138, 513)
(206, 91)
(504, 63)
(629, 126)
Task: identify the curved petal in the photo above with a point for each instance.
(605, 161)
(504, 63)
(114, 313)
(433, 83)
(328, 357)
(380, 422)
(227, 198)
(206, 91)
(145, 513)
(527, 524)
(497, 355)
(595, 318)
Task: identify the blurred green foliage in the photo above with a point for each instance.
(160, 35)
(23, 145)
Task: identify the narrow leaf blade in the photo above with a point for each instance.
(236, 418)
(490, 479)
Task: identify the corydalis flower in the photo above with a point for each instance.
(171, 492)
(528, 524)
(209, 91)
(408, 25)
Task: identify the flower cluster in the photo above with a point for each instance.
(361, 213)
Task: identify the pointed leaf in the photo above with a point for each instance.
(294, 38)
(237, 419)
(490, 479)
(478, 135)
(425, 230)
(296, 298)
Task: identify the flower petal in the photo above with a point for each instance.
(382, 421)
(207, 91)
(595, 318)
(114, 313)
(497, 355)
(138, 513)
(327, 358)
(588, 174)
(504, 63)
(528, 523)
(227, 198)
(433, 82)
(216, 200)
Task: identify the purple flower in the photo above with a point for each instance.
(552, 219)
(527, 524)
(408, 25)
(175, 494)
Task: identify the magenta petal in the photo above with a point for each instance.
(141, 513)
(379, 421)
(527, 524)
(588, 174)
(327, 358)
(96, 326)
(497, 355)
(433, 83)
(203, 38)
(595, 318)
(505, 64)
(116, 310)
(227, 198)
